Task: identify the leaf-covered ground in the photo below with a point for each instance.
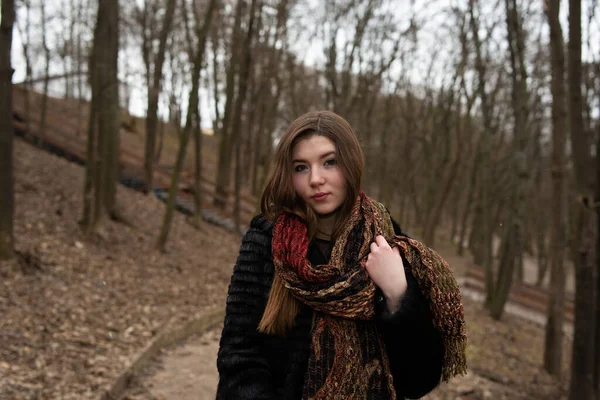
(75, 310)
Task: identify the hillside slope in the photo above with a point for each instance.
(75, 310)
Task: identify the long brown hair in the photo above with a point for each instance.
(280, 196)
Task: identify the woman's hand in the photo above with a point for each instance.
(385, 267)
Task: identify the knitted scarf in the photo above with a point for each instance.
(348, 359)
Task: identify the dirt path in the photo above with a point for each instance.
(189, 372)
(184, 372)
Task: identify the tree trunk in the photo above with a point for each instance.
(236, 136)
(237, 184)
(556, 314)
(582, 363)
(202, 31)
(226, 143)
(153, 95)
(514, 235)
(265, 147)
(109, 118)
(215, 81)
(197, 219)
(92, 138)
(7, 199)
(70, 82)
(257, 162)
(44, 107)
(470, 200)
(486, 151)
(597, 336)
(103, 130)
(25, 43)
(79, 60)
(435, 214)
(541, 239)
(161, 139)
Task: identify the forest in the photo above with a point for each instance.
(136, 138)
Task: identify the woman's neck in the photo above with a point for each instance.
(325, 225)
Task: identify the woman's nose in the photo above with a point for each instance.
(316, 178)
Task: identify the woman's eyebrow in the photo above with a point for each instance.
(328, 154)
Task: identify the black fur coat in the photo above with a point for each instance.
(253, 365)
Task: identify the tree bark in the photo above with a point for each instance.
(226, 143)
(265, 140)
(555, 311)
(514, 234)
(103, 129)
(90, 170)
(597, 336)
(484, 201)
(582, 363)
(79, 61)
(470, 199)
(7, 199)
(236, 137)
(511, 247)
(109, 118)
(153, 94)
(215, 80)
(44, 107)
(202, 31)
(197, 219)
(451, 168)
(25, 43)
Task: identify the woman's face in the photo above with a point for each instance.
(318, 179)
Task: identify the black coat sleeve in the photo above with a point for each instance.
(415, 348)
(243, 367)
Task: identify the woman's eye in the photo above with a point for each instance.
(330, 162)
(299, 168)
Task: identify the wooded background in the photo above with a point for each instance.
(484, 125)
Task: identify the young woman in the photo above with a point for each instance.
(329, 299)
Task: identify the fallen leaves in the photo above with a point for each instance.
(76, 310)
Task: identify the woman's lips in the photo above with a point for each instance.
(320, 196)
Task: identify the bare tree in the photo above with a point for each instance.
(154, 88)
(484, 203)
(7, 201)
(103, 127)
(585, 229)
(46, 50)
(24, 34)
(554, 325)
(191, 119)
(197, 170)
(226, 142)
(270, 102)
(244, 74)
(513, 238)
(596, 362)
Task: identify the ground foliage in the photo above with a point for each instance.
(75, 310)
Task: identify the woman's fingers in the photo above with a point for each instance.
(374, 247)
(381, 242)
